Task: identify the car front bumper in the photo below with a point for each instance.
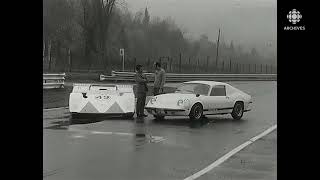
(166, 111)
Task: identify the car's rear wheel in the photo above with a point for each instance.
(196, 112)
(158, 117)
(237, 111)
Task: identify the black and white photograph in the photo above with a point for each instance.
(161, 89)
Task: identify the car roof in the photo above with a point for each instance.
(210, 83)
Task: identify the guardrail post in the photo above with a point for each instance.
(249, 68)
(230, 67)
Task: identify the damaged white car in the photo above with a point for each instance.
(103, 99)
(199, 98)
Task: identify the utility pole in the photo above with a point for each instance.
(222, 66)
(44, 48)
(69, 60)
(180, 62)
(198, 64)
(49, 54)
(122, 57)
(207, 63)
(218, 49)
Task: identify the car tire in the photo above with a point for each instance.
(158, 117)
(196, 112)
(237, 111)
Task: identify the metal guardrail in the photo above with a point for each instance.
(51, 81)
(174, 77)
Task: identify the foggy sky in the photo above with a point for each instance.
(252, 23)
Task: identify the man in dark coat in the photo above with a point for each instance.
(141, 91)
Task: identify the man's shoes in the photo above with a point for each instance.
(142, 115)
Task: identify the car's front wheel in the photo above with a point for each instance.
(196, 112)
(237, 111)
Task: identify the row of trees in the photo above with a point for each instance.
(87, 34)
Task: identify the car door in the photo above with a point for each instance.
(219, 102)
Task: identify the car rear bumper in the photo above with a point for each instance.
(99, 115)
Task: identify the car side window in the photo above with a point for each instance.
(218, 90)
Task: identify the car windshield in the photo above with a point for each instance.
(193, 88)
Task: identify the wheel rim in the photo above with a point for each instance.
(239, 110)
(197, 112)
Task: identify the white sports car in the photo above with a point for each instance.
(198, 98)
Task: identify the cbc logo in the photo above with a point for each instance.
(294, 16)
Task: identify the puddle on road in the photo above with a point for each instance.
(140, 133)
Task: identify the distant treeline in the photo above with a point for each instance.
(87, 34)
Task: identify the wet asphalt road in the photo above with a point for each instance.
(107, 148)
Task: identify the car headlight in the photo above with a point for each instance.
(153, 100)
(186, 103)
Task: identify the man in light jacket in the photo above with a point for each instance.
(159, 79)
